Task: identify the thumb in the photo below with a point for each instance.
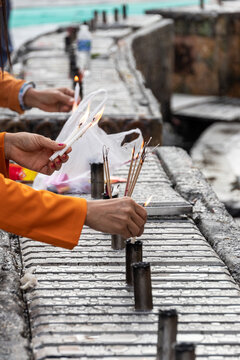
(51, 144)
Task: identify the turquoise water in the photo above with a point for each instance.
(69, 14)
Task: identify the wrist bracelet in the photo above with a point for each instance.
(22, 92)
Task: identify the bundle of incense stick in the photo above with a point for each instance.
(135, 168)
(90, 119)
(106, 170)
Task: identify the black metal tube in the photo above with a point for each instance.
(118, 242)
(104, 17)
(116, 15)
(133, 255)
(97, 180)
(142, 286)
(185, 351)
(95, 16)
(124, 11)
(167, 334)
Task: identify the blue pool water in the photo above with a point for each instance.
(67, 14)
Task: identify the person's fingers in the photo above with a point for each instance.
(64, 108)
(132, 228)
(138, 220)
(66, 91)
(64, 99)
(141, 231)
(141, 211)
(50, 144)
(57, 163)
(64, 158)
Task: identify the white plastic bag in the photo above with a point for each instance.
(75, 173)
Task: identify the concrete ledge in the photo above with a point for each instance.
(150, 51)
(13, 330)
(210, 215)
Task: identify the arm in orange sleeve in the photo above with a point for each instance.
(39, 215)
(9, 90)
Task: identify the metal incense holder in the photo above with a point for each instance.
(124, 11)
(167, 334)
(133, 255)
(142, 286)
(116, 15)
(97, 180)
(185, 351)
(104, 17)
(118, 242)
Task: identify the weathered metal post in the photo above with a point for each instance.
(124, 11)
(133, 255)
(142, 286)
(95, 15)
(185, 351)
(167, 334)
(118, 242)
(116, 15)
(202, 4)
(97, 180)
(104, 17)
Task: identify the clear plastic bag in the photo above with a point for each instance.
(75, 173)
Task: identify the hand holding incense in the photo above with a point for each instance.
(133, 239)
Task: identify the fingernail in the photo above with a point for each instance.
(52, 166)
(58, 161)
(60, 144)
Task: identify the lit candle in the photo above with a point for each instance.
(76, 93)
(94, 117)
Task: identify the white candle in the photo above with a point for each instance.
(76, 93)
(94, 116)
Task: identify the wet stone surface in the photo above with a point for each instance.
(82, 308)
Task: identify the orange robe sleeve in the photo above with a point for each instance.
(9, 89)
(39, 215)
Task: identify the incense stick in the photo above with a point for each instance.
(106, 170)
(129, 172)
(109, 181)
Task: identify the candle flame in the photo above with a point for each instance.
(148, 201)
(76, 78)
(74, 108)
(97, 117)
(84, 117)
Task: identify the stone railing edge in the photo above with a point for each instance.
(209, 214)
(14, 342)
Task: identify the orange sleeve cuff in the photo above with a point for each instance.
(9, 90)
(4, 164)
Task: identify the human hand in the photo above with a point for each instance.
(116, 216)
(33, 151)
(51, 100)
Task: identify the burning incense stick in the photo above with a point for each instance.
(91, 120)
